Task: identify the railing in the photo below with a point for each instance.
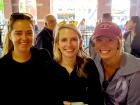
(1, 34)
(86, 37)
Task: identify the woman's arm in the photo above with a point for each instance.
(133, 97)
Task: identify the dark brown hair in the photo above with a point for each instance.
(8, 45)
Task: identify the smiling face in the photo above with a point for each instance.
(22, 36)
(68, 43)
(131, 25)
(107, 47)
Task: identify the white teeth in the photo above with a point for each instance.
(24, 43)
(104, 51)
(69, 50)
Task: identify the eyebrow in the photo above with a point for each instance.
(18, 31)
(21, 31)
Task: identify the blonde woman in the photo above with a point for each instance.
(76, 74)
(119, 71)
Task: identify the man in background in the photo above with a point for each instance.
(45, 37)
(107, 17)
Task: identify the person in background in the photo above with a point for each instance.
(132, 36)
(82, 27)
(45, 37)
(119, 71)
(23, 67)
(92, 50)
(106, 17)
(36, 29)
(125, 29)
(76, 74)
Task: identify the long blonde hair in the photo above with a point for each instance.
(81, 54)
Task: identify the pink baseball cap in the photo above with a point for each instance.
(107, 29)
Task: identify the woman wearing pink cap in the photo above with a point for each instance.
(119, 71)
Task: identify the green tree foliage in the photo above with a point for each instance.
(1, 5)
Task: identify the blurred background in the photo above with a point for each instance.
(71, 10)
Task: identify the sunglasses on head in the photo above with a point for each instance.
(21, 16)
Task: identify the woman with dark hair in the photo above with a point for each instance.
(132, 37)
(23, 67)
